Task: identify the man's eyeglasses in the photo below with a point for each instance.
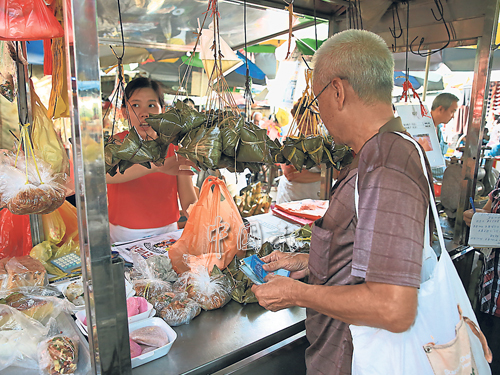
(315, 100)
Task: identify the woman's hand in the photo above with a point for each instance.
(177, 165)
(469, 213)
(296, 263)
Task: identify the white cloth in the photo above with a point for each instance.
(289, 191)
(118, 233)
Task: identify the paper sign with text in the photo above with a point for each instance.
(485, 230)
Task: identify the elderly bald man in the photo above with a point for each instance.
(357, 271)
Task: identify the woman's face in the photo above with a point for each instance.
(141, 104)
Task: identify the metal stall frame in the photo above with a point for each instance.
(104, 285)
(103, 279)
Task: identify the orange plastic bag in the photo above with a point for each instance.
(214, 232)
(27, 20)
(15, 234)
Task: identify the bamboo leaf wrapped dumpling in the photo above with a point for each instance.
(293, 154)
(253, 147)
(230, 131)
(167, 125)
(137, 151)
(203, 145)
(313, 146)
(190, 118)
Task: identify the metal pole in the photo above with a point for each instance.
(25, 114)
(471, 156)
(426, 78)
(103, 280)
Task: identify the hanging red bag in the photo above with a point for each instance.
(15, 235)
(22, 20)
(214, 232)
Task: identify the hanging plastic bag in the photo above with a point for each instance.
(68, 215)
(15, 234)
(59, 101)
(214, 232)
(8, 76)
(22, 20)
(54, 228)
(46, 142)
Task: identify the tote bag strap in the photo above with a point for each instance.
(431, 195)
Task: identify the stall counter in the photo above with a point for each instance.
(218, 338)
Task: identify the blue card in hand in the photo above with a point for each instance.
(252, 267)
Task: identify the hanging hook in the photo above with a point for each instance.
(440, 9)
(395, 32)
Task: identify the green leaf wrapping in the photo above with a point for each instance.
(110, 156)
(190, 118)
(230, 131)
(136, 150)
(253, 147)
(313, 146)
(167, 125)
(291, 153)
(203, 146)
(123, 165)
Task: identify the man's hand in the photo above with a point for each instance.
(296, 263)
(277, 293)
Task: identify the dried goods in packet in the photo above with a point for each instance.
(58, 355)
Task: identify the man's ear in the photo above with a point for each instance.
(339, 92)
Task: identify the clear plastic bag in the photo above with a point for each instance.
(58, 355)
(40, 308)
(210, 291)
(19, 336)
(156, 267)
(31, 189)
(180, 310)
(22, 271)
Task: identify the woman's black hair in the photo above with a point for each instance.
(141, 83)
(188, 100)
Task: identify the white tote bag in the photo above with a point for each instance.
(438, 322)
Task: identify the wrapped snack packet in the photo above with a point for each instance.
(58, 355)
(210, 291)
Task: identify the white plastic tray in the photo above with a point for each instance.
(157, 353)
(80, 316)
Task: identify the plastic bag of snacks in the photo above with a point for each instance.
(178, 309)
(21, 271)
(32, 188)
(210, 291)
(214, 232)
(58, 355)
(156, 267)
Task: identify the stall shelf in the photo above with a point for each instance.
(104, 298)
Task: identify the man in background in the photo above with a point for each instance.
(443, 110)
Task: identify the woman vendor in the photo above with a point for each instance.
(144, 202)
(489, 299)
(295, 185)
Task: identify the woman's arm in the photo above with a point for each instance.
(171, 166)
(305, 176)
(187, 194)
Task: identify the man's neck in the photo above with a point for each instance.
(368, 120)
(435, 118)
